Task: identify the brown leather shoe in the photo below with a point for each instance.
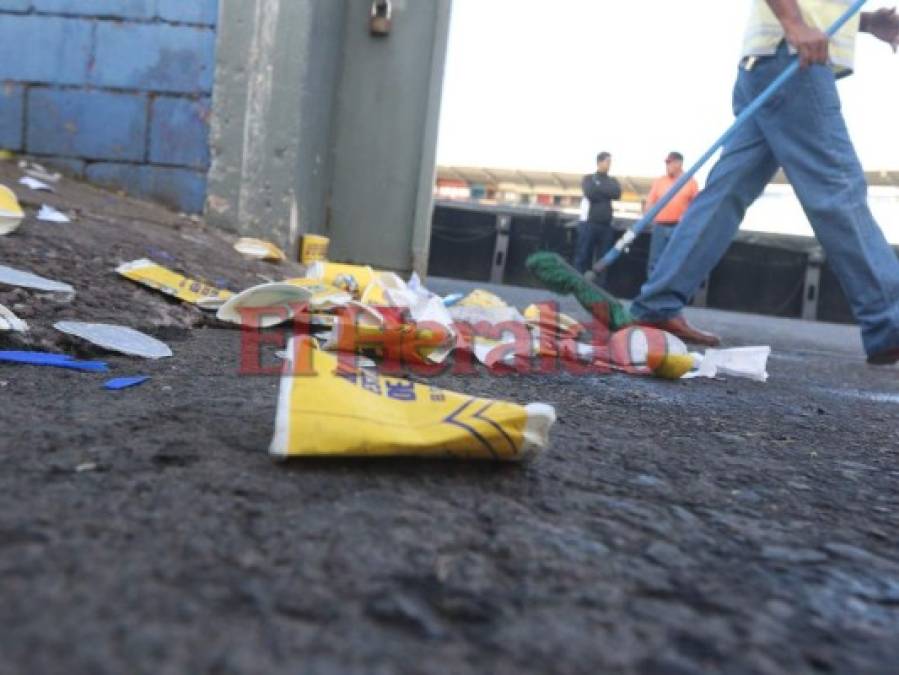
(678, 326)
(884, 358)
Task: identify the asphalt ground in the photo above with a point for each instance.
(700, 526)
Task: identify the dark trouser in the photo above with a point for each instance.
(661, 234)
(591, 236)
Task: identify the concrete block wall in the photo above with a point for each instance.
(116, 91)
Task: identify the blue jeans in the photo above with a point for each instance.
(661, 235)
(802, 130)
(589, 237)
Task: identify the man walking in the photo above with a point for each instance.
(670, 216)
(802, 130)
(600, 190)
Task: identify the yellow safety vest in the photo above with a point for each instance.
(764, 34)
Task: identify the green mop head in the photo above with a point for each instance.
(560, 277)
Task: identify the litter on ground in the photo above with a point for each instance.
(35, 184)
(11, 213)
(391, 314)
(353, 279)
(13, 277)
(116, 338)
(346, 411)
(39, 172)
(171, 283)
(745, 362)
(453, 299)
(258, 249)
(314, 249)
(53, 360)
(10, 322)
(50, 215)
(282, 300)
(120, 383)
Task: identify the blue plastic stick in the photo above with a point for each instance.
(53, 361)
(121, 383)
(631, 235)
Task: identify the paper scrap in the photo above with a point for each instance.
(258, 249)
(35, 184)
(10, 322)
(284, 299)
(116, 338)
(162, 279)
(50, 215)
(746, 362)
(13, 277)
(38, 171)
(353, 279)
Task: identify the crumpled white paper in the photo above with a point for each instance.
(281, 295)
(746, 362)
(13, 277)
(424, 307)
(35, 184)
(38, 171)
(50, 215)
(116, 338)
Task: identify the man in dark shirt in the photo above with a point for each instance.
(599, 189)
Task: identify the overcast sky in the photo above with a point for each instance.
(545, 84)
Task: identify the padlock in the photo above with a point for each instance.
(381, 18)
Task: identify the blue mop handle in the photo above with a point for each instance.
(631, 235)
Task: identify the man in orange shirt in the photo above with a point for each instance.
(670, 216)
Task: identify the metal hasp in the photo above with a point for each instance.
(501, 250)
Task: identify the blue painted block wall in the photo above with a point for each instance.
(12, 111)
(116, 91)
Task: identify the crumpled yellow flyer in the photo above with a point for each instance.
(330, 408)
(162, 279)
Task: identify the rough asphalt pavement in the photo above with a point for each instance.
(699, 527)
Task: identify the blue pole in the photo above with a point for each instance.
(631, 235)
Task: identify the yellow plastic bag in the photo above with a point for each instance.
(11, 213)
(328, 409)
(155, 276)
